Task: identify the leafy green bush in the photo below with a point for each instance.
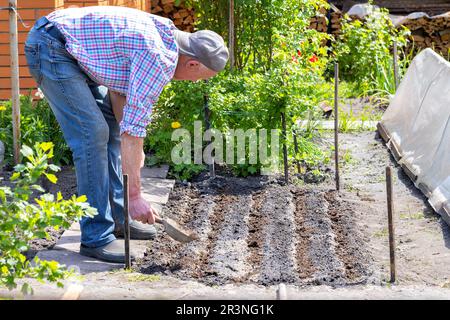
(285, 76)
(256, 25)
(363, 51)
(22, 221)
(37, 124)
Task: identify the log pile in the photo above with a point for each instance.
(428, 32)
(182, 16)
(336, 18)
(320, 23)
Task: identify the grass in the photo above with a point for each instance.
(351, 188)
(132, 276)
(347, 157)
(121, 270)
(383, 233)
(349, 122)
(412, 216)
(143, 277)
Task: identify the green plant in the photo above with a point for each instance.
(363, 51)
(279, 70)
(37, 124)
(412, 216)
(382, 233)
(144, 277)
(347, 157)
(310, 154)
(185, 172)
(22, 221)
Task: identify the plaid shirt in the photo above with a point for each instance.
(127, 50)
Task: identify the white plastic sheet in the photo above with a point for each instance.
(416, 126)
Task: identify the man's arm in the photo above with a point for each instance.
(118, 102)
(132, 161)
(149, 73)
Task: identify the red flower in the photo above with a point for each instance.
(313, 59)
(299, 53)
(294, 58)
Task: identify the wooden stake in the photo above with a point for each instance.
(126, 231)
(207, 113)
(395, 53)
(336, 124)
(285, 156)
(15, 87)
(281, 292)
(390, 207)
(231, 34)
(294, 133)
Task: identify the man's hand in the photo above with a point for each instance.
(140, 210)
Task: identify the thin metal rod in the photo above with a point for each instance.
(390, 207)
(285, 155)
(15, 86)
(231, 34)
(395, 53)
(336, 124)
(294, 134)
(207, 111)
(126, 231)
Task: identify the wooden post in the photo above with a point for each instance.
(231, 34)
(294, 133)
(395, 53)
(207, 113)
(126, 231)
(15, 87)
(285, 155)
(336, 124)
(390, 207)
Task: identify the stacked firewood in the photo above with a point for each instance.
(182, 16)
(321, 22)
(336, 18)
(428, 32)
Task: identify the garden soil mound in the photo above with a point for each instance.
(257, 230)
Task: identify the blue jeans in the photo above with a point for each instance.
(85, 115)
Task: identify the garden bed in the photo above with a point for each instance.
(257, 230)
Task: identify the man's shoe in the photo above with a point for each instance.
(111, 252)
(138, 231)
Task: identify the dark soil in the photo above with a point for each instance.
(257, 230)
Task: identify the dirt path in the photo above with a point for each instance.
(422, 237)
